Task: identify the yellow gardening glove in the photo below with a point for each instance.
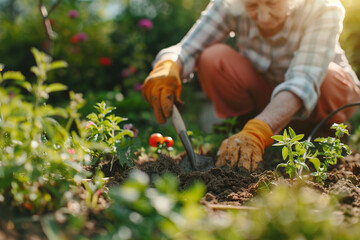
(162, 88)
(245, 149)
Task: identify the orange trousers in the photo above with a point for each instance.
(233, 85)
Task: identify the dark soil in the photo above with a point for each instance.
(238, 186)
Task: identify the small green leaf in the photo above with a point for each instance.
(93, 117)
(278, 138)
(115, 119)
(292, 132)
(333, 160)
(304, 166)
(316, 162)
(59, 112)
(58, 64)
(25, 85)
(13, 75)
(285, 152)
(278, 144)
(35, 70)
(308, 144)
(55, 87)
(297, 138)
(285, 135)
(125, 151)
(124, 133)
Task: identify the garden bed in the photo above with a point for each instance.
(226, 189)
(237, 186)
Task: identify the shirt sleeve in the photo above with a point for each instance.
(212, 26)
(317, 49)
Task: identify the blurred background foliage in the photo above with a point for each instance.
(350, 38)
(110, 45)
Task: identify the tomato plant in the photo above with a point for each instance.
(161, 143)
(156, 139)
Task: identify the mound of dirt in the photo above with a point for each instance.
(238, 186)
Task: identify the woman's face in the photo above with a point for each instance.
(269, 15)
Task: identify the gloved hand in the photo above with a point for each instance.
(245, 149)
(162, 88)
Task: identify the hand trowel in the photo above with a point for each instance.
(192, 161)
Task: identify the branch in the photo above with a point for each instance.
(47, 25)
(54, 6)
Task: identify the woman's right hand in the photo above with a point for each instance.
(162, 88)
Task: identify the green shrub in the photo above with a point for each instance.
(38, 160)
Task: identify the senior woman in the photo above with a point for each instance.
(287, 65)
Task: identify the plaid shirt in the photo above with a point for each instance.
(295, 59)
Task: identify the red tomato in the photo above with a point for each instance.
(156, 139)
(169, 141)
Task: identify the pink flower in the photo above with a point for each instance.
(79, 37)
(73, 14)
(71, 151)
(89, 124)
(145, 24)
(105, 61)
(138, 86)
(82, 36)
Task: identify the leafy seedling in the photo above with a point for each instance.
(332, 150)
(294, 152)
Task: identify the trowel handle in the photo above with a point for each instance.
(179, 125)
(177, 120)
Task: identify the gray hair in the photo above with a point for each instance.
(236, 7)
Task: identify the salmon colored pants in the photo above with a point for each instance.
(236, 88)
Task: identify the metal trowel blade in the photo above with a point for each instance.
(202, 163)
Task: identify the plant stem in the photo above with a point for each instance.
(291, 156)
(68, 124)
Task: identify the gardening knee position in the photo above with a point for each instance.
(288, 69)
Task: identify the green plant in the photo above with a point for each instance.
(152, 212)
(105, 128)
(332, 150)
(298, 152)
(39, 161)
(94, 189)
(294, 152)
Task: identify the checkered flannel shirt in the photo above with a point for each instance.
(295, 59)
